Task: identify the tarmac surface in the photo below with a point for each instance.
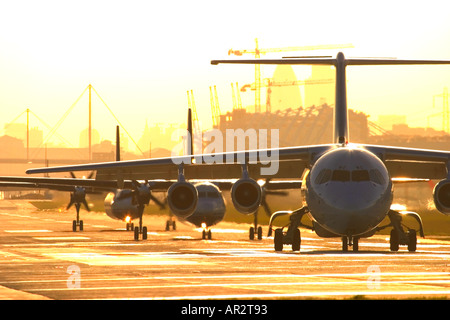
(42, 258)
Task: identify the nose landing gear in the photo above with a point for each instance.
(350, 242)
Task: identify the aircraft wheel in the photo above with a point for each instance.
(296, 240)
(74, 225)
(412, 241)
(355, 244)
(344, 244)
(278, 239)
(171, 223)
(144, 233)
(259, 233)
(136, 233)
(204, 234)
(81, 225)
(394, 240)
(251, 233)
(209, 235)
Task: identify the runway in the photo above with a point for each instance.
(41, 258)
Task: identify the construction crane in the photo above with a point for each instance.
(234, 97)
(445, 111)
(215, 109)
(238, 97)
(270, 83)
(258, 51)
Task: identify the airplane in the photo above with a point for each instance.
(77, 195)
(127, 203)
(346, 189)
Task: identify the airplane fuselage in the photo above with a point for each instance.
(348, 192)
(210, 206)
(119, 205)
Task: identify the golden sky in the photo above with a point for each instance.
(142, 56)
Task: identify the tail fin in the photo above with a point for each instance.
(117, 144)
(190, 137)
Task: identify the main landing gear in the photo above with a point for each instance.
(292, 234)
(398, 235)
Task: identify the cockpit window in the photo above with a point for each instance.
(323, 176)
(326, 175)
(213, 195)
(202, 194)
(376, 176)
(360, 175)
(341, 175)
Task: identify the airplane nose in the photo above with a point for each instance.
(206, 206)
(352, 210)
(353, 197)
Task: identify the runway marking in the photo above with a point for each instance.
(213, 230)
(27, 231)
(98, 226)
(96, 259)
(268, 285)
(302, 294)
(61, 238)
(320, 275)
(263, 276)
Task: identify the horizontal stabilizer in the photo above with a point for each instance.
(323, 60)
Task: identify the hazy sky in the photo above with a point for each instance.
(142, 56)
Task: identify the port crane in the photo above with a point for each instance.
(257, 52)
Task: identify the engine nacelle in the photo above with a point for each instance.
(441, 196)
(246, 195)
(182, 198)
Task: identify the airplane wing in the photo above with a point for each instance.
(68, 184)
(413, 163)
(292, 161)
(15, 186)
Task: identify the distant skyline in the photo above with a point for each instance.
(143, 56)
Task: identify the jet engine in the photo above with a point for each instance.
(441, 195)
(182, 198)
(246, 195)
